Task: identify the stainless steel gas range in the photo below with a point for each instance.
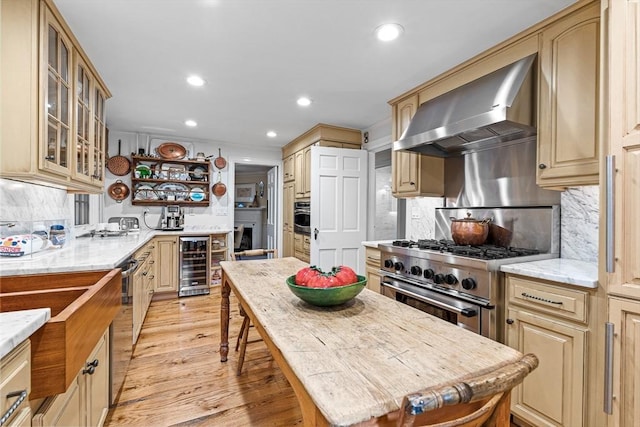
(463, 284)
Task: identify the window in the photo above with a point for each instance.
(81, 209)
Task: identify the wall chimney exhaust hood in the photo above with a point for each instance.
(484, 113)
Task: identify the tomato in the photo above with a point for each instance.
(321, 280)
(305, 274)
(345, 275)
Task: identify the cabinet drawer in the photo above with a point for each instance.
(306, 245)
(557, 300)
(373, 257)
(15, 377)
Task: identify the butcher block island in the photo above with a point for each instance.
(355, 363)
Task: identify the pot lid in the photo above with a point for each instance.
(470, 219)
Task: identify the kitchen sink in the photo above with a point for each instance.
(82, 305)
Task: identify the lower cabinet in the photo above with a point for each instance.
(551, 322)
(625, 316)
(167, 264)
(86, 401)
(373, 268)
(144, 283)
(302, 247)
(15, 384)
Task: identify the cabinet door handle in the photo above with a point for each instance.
(510, 321)
(608, 367)
(542, 166)
(21, 396)
(315, 233)
(609, 213)
(526, 295)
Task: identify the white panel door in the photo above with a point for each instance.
(338, 207)
(272, 207)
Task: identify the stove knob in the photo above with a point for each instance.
(469, 283)
(439, 278)
(429, 273)
(388, 263)
(398, 266)
(416, 271)
(450, 279)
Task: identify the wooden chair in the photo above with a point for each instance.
(480, 401)
(243, 335)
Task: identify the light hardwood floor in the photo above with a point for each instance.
(176, 377)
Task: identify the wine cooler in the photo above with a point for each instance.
(194, 266)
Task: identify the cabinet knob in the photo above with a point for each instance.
(412, 183)
(542, 166)
(510, 321)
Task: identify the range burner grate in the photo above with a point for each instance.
(486, 252)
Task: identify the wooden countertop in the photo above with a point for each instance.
(359, 360)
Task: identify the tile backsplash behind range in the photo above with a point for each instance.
(579, 216)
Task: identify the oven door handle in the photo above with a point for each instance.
(437, 300)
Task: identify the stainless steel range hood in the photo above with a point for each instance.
(488, 111)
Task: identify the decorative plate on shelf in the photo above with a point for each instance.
(198, 173)
(168, 189)
(143, 171)
(145, 192)
(197, 194)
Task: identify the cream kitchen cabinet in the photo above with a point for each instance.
(86, 400)
(413, 174)
(625, 316)
(167, 264)
(302, 246)
(620, 228)
(551, 321)
(144, 283)
(15, 385)
(373, 268)
(288, 248)
(288, 166)
(53, 116)
(218, 252)
(568, 131)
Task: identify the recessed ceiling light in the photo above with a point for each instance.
(388, 32)
(191, 123)
(195, 80)
(303, 101)
(271, 134)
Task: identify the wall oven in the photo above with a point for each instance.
(302, 218)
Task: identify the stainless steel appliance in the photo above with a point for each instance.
(121, 333)
(302, 218)
(194, 266)
(172, 218)
(463, 284)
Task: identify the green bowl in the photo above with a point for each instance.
(325, 297)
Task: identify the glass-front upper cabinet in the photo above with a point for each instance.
(84, 107)
(99, 136)
(57, 93)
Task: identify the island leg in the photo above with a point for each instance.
(225, 290)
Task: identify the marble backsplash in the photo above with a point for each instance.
(579, 216)
(21, 201)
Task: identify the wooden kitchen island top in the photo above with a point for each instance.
(353, 363)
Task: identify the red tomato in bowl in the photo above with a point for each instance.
(344, 275)
(304, 275)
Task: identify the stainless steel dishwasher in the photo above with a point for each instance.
(194, 266)
(121, 333)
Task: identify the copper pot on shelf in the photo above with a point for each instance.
(469, 231)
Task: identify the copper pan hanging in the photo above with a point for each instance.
(118, 191)
(119, 165)
(220, 161)
(219, 189)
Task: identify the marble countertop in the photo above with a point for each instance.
(17, 326)
(374, 243)
(92, 253)
(570, 271)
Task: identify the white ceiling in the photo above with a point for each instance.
(259, 56)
